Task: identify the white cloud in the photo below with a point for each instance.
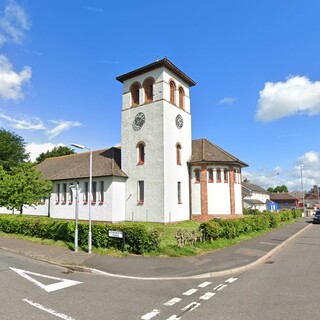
(13, 23)
(35, 149)
(297, 95)
(227, 100)
(11, 82)
(24, 124)
(61, 126)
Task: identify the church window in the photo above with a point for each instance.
(197, 176)
(178, 153)
(86, 193)
(181, 98)
(141, 154)
(179, 192)
(64, 193)
(140, 192)
(226, 176)
(94, 192)
(70, 194)
(135, 96)
(101, 192)
(172, 92)
(210, 175)
(219, 175)
(148, 89)
(58, 193)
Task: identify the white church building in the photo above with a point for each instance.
(159, 173)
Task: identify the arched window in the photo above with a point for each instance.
(172, 92)
(178, 153)
(210, 175)
(135, 96)
(197, 176)
(140, 149)
(226, 175)
(218, 175)
(148, 89)
(181, 98)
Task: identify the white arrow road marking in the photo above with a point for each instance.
(231, 280)
(39, 306)
(171, 302)
(63, 283)
(204, 284)
(174, 317)
(190, 292)
(151, 314)
(207, 296)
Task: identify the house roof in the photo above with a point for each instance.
(155, 65)
(204, 151)
(254, 188)
(281, 196)
(253, 201)
(106, 162)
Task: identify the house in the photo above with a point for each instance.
(284, 200)
(159, 174)
(255, 197)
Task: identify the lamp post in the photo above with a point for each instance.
(301, 178)
(76, 188)
(79, 146)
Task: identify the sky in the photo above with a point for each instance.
(256, 65)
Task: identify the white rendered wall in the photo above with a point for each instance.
(238, 198)
(195, 193)
(219, 198)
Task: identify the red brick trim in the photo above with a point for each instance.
(204, 190)
(232, 195)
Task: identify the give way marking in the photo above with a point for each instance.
(61, 284)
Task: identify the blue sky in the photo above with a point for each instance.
(256, 64)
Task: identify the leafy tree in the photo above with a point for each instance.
(55, 152)
(278, 189)
(12, 150)
(22, 186)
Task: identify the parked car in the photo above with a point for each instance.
(316, 218)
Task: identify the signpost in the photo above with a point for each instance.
(117, 234)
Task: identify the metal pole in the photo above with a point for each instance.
(90, 200)
(77, 213)
(304, 212)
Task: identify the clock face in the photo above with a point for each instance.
(179, 121)
(138, 121)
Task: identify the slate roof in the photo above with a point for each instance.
(281, 196)
(204, 151)
(155, 65)
(106, 162)
(254, 188)
(253, 201)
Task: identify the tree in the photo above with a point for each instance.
(55, 152)
(21, 186)
(278, 189)
(12, 150)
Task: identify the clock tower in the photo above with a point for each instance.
(156, 142)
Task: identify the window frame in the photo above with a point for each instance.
(141, 152)
(148, 89)
(140, 194)
(197, 176)
(181, 97)
(178, 153)
(173, 89)
(135, 94)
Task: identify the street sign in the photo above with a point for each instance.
(115, 234)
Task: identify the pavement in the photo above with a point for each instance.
(237, 258)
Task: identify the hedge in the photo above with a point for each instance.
(137, 238)
(232, 228)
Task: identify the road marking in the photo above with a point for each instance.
(231, 280)
(190, 292)
(172, 302)
(63, 283)
(53, 312)
(204, 284)
(174, 317)
(207, 296)
(151, 314)
(191, 306)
